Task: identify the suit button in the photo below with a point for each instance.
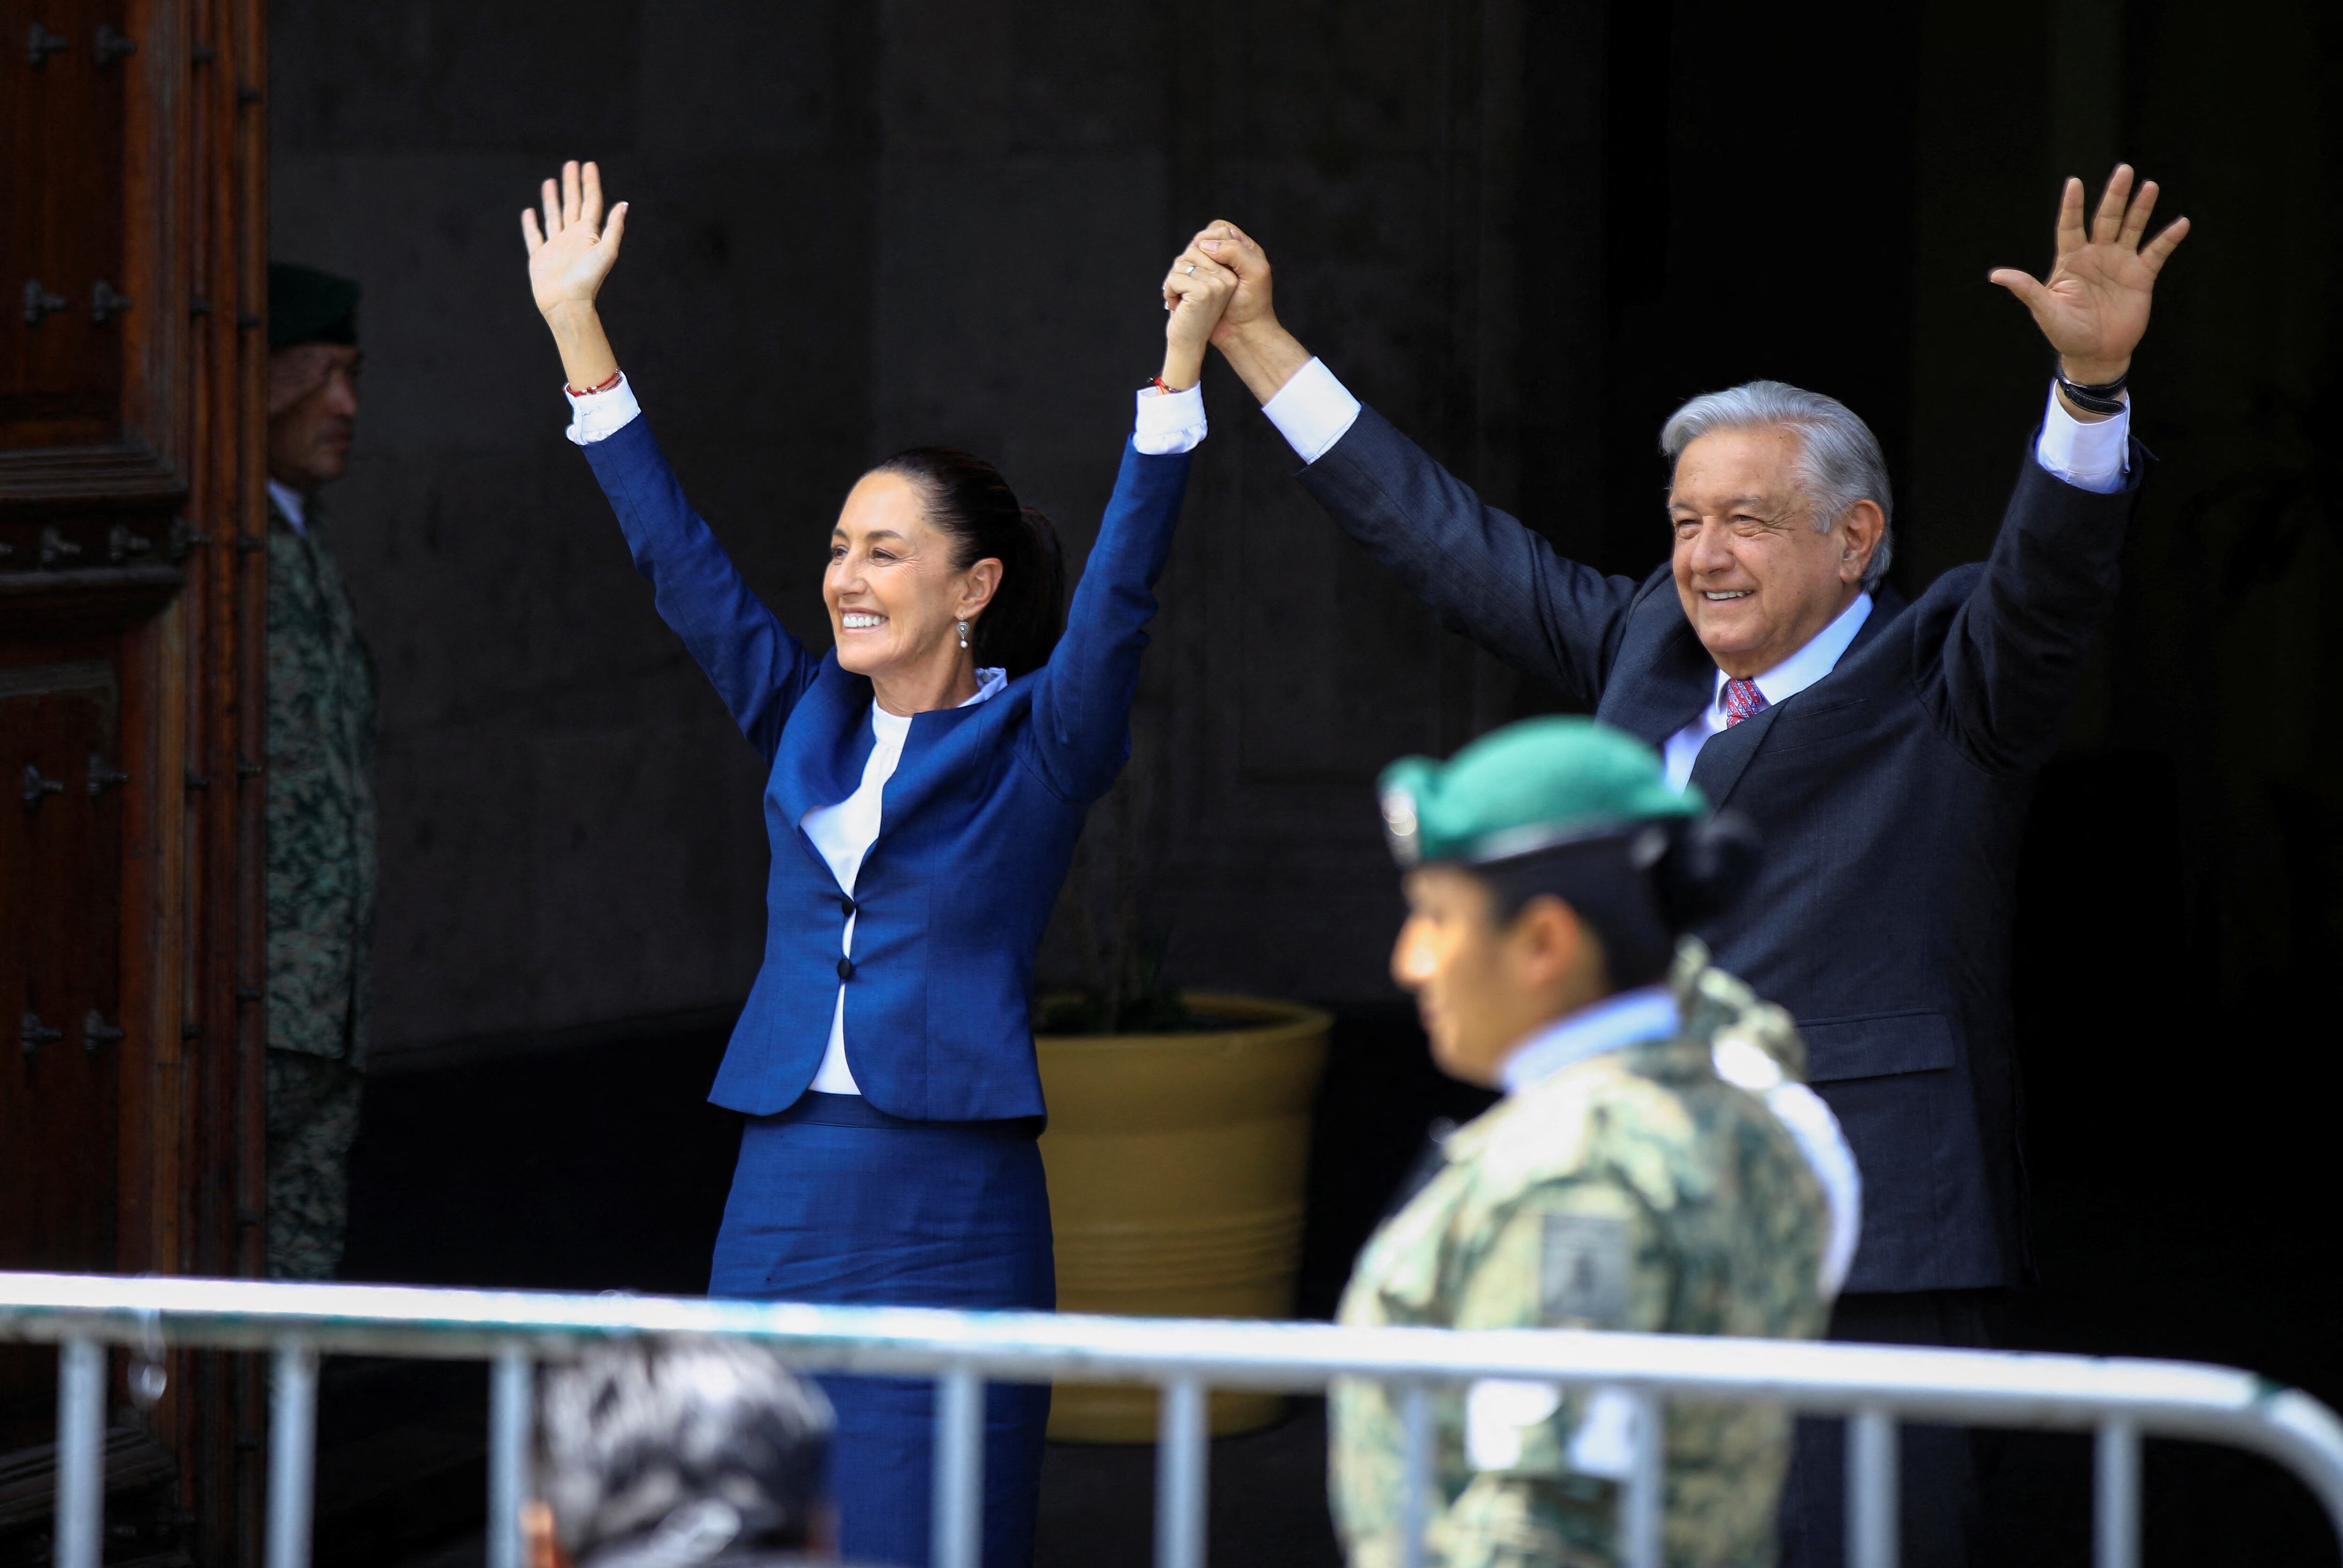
(846, 968)
(846, 906)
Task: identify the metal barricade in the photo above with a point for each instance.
(1875, 1387)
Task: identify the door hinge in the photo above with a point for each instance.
(35, 786)
(32, 1033)
(55, 547)
(185, 536)
(38, 301)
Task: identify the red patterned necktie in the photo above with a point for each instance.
(1743, 701)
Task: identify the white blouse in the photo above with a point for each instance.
(844, 834)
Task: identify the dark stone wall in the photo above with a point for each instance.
(855, 229)
(1524, 230)
(570, 828)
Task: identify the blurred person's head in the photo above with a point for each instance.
(313, 376)
(1548, 866)
(673, 1453)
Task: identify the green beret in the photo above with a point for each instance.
(1529, 787)
(306, 306)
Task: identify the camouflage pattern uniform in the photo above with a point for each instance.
(1633, 1190)
(321, 885)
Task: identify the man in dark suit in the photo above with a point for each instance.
(1885, 749)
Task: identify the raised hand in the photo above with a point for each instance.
(2093, 308)
(1195, 292)
(568, 260)
(575, 252)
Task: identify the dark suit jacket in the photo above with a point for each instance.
(978, 823)
(1890, 795)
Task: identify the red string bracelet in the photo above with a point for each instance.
(1168, 391)
(602, 386)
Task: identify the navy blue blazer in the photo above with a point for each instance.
(977, 825)
(1891, 795)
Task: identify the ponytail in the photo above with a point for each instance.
(1638, 890)
(967, 498)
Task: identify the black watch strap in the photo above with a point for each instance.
(2105, 397)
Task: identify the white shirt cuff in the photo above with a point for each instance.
(2088, 457)
(1312, 411)
(598, 416)
(1169, 422)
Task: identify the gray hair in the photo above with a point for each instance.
(663, 1453)
(1840, 462)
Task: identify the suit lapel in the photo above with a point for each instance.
(935, 760)
(1654, 696)
(1721, 760)
(824, 747)
(1886, 604)
(1725, 757)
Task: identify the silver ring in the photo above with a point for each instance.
(1190, 269)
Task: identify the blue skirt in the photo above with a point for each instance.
(835, 1201)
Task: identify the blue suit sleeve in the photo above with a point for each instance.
(1080, 734)
(1483, 572)
(758, 667)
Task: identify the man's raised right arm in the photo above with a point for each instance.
(1486, 575)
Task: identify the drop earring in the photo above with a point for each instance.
(963, 634)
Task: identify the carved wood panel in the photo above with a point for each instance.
(61, 253)
(132, 603)
(59, 983)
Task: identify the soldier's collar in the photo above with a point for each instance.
(1648, 1013)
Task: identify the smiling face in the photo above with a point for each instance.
(893, 593)
(1756, 577)
(1482, 988)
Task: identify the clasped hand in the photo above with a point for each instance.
(1196, 292)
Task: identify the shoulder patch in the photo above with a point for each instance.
(1583, 1268)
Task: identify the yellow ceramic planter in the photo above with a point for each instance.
(1176, 1165)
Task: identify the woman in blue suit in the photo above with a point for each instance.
(928, 777)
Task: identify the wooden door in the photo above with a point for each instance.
(132, 602)
(59, 975)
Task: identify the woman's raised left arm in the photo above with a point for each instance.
(1082, 702)
(757, 667)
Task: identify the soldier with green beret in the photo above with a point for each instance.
(1655, 1165)
(321, 811)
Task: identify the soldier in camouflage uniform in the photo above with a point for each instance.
(321, 815)
(1648, 1169)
